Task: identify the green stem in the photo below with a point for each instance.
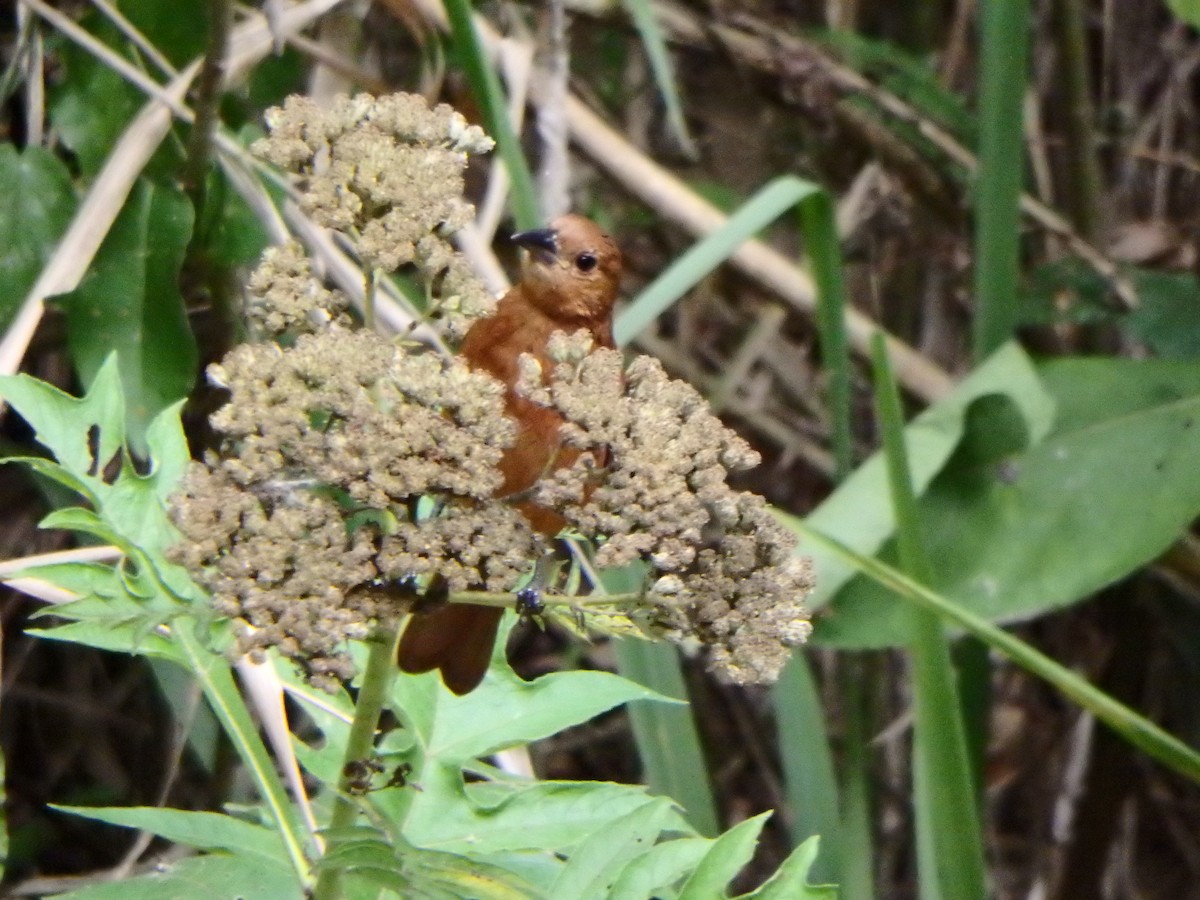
(508, 600)
(208, 95)
(485, 86)
(373, 692)
(1083, 168)
(949, 839)
(1001, 171)
(371, 286)
(1136, 729)
(212, 671)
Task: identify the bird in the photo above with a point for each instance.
(570, 280)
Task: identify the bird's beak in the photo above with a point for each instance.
(542, 243)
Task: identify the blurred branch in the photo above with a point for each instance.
(763, 47)
(208, 96)
(1083, 168)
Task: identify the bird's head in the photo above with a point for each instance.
(573, 271)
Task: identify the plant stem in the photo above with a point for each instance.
(1005, 42)
(1082, 169)
(508, 600)
(373, 692)
(208, 94)
(372, 285)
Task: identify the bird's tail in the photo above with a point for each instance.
(457, 639)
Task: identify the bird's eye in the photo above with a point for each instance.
(585, 262)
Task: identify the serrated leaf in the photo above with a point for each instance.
(725, 858)
(506, 710)
(418, 872)
(89, 581)
(595, 865)
(47, 468)
(790, 881)
(120, 637)
(213, 877)
(485, 818)
(129, 303)
(656, 872)
(202, 830)
(64, 424)
(169, 453)
(38, 202)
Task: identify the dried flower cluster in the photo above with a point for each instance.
(723, 568)
(350, 464)
(387, 172)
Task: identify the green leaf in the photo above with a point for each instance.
(231, 234)
(38, 203)
(725, 858)
(594, 866)
(769, 202)
(659, 56)
(1039, 529)
(202, 830)
(178, 31)
(214, 877)
(506, 710)
(61, 475)
(1136, 729)
(1168, 317)
(859, 513)
(119, 637)
(668, 741)
(493, 818)
(64, 424)
(91, 104)
(416, 872)
(129, 302)
(790, 881)
(1188, 10)
(655, 872)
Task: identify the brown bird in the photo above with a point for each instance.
(569, 281)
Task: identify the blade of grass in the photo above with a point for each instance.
(660, 64)
(795, 700)
(485, 86)
(856, 875)
(1138, 730)
(1005, 27)
(821, 244)
(998, 191)
(212, 671)
(949, 840)
(812, 789)
(666, 736)
(768, 204)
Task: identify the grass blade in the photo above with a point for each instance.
(1001, 171)
(812, 789)
(485, 86)
(212, 671)
(666, 736)
(949, 839)
(664, 74)
(767, 205)
(1136, 729)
